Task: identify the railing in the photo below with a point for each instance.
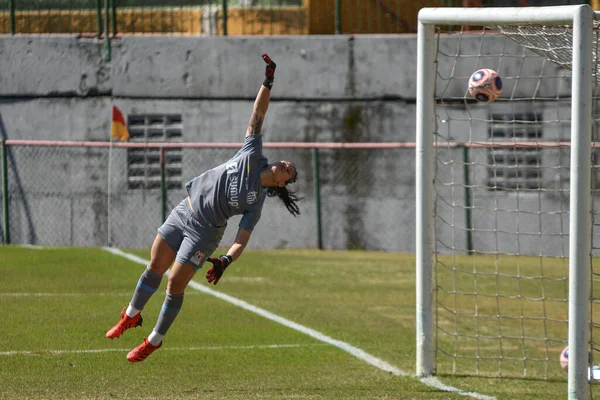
(354, 195)
(100, 193)
(211, 17)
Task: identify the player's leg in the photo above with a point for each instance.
(161, 258)
(199, 242)
(163, 253)
(179, 277)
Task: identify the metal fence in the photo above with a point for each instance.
(228, 17)
(210, 17)
(354, 196)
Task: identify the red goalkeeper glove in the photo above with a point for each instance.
(269, 71)
(219, 265)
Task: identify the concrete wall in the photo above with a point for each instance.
(328, 88)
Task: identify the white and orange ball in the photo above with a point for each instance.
(485, 85)
(564, 359)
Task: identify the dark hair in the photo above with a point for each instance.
(288, 197)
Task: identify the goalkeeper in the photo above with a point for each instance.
(195, 227)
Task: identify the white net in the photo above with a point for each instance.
(552, 42)
(502, 205)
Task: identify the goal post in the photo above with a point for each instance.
(429, 137)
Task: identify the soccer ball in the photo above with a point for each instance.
(593, 371)
(564, 359)
(485, 85)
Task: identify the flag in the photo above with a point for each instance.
(119, 127)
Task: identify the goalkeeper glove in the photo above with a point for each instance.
(269, 71)
(219, 265)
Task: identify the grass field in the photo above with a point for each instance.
(58, 303)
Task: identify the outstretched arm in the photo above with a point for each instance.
(261, 104)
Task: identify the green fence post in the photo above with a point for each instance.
(4, 156)
(99, 17)
(338, 17)
(317, 182)
(106, 31)
(114, 16)
(11, 6)
(467, 186)
(163, 186)
(224, 17)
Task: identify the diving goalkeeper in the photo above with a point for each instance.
(195, 227)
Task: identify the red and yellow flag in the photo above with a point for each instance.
(119, 127)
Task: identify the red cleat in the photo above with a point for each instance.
(125, 323)
(142, 351)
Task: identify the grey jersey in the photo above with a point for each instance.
(232, 188)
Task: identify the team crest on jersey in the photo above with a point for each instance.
(231, 168)
(197, 258)
(251, 197)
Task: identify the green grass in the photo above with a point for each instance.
(216, 350)
(514, 307)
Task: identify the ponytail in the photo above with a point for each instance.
(288, 197)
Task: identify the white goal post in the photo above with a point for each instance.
(580, 18)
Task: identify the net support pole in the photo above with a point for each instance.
(424, 198)
(468, 194)
(5, 213)
(579, 224)
(317, 183)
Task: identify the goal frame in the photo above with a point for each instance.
(581, 17)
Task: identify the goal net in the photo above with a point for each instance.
(508, 194)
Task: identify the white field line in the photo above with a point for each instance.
(205, 348)
(354, 351)
(42, 248)
(61, 294)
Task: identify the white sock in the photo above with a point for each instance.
(132, 312)
(155, 338)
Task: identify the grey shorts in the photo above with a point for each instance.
(186, 234)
